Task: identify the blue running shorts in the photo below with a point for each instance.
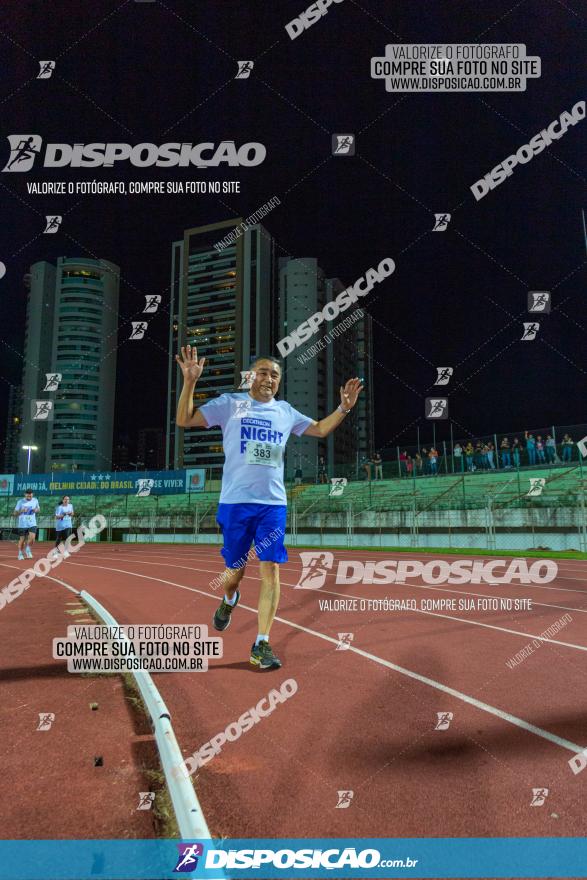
(260, 524)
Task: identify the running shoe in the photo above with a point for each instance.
(262, 656)
(20, 556)
(221, 619)
(29, 555)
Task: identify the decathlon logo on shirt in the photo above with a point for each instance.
(258, 429)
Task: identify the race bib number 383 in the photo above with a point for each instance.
(268, 454)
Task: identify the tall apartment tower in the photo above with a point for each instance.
(312, 384)
(71, 329)
(222, 302)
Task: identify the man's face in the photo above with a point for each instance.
(66, 500)
(28, 496)
(266, 381)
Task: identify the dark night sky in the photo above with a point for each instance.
(158, 72)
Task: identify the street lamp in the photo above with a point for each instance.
(29, 449)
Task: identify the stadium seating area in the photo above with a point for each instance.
(562, 487)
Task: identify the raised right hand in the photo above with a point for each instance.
(189, 364)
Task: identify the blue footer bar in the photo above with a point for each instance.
(382, 857)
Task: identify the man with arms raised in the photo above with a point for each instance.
(255, 428)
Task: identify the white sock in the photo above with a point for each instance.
(230, 601)
(261, 638)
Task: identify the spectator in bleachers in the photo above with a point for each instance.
(424, 461)
(322, 475)
(540, 450)
(403, 463)
(490, 454)
(458, 462)
(366, 465)
(469, 453)
(506, 458)
(418, 464)
(410, 465)
(530, 448)
(550, 449)
(378, 465)
(433, 460)
(567, 448)
(298, 476)
(516, 446)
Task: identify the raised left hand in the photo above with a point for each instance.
(350, 393)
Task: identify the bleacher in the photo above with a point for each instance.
(563, 486)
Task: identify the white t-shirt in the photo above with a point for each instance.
(27, 518)
(254, 435)
(65, 523)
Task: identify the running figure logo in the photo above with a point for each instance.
(444, 719)
(53, 380)
(539, 301)
(146, 799)
(247, 379)
(441, 222)
(244, 69)
(187, 860)
(53, 222)
(444, 374)
(436, 407)
(46, 719)
(152, 303)
(531, 329)
(337, 487)
(536, 486)
(144, 488)
(343, 145)
(315, 568)
(344, 641)
(539, 795)
(24, 150)
(242, 408)
(344, 799)
(46, 69)
(42, 410)
(138, 329)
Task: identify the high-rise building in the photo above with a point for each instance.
(71, 329)
(311, 382)
(151, 448)
(302, 292)
(221, 302)
(13, 429)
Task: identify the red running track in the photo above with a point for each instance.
(364, 719)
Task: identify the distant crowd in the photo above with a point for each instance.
(530, 451)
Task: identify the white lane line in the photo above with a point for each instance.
(465, 698)
(412, 610)
(395, 583)
(43, 577)
(470, 622)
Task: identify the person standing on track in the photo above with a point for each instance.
(63, 520)
(255, 429)
(26, 510)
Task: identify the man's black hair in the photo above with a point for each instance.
(268, 357)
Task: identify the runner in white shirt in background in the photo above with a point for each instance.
(26, 510)
(255, 428)
(63, 520)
